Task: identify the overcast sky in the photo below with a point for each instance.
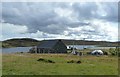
(60, 20)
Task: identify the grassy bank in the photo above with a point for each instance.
(27, 64)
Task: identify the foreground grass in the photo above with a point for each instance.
(0, 63)
(27, 64)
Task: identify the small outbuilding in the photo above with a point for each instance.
(51, 46)
(97, 52)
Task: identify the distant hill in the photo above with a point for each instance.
(25, 42)
(19, 42)
(81, 42)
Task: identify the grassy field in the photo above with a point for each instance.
(27, 64)
(0, 64)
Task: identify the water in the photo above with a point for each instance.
(15, 49)
(88, 47)
(26, 49)
(82, 46)
(103, 47)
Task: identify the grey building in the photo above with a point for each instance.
(50, 46)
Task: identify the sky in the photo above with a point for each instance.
(96, 21)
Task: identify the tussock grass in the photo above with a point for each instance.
(27, 64)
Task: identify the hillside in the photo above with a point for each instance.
(25, 42)
(81, 42)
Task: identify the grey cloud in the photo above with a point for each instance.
(85, 11)
(76, 24)
(41, 16)
(111, 10)
(37, 16)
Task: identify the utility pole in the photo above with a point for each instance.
(73, 47)
(83, 42)
(36, 49)
(83, 45)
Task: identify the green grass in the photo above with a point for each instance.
(0, 64)
(27, 64)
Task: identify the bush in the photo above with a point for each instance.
(88, 53)
(113, 51)
(105, 53)
(113, 54)
(72, 61)
(118, 54)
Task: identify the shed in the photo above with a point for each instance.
(51, 46)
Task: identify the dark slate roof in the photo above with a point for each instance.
(47, 44)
